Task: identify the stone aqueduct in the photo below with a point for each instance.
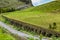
(34, 28)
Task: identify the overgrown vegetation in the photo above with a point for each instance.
(3, 10)
(9, 5)
(4, 35)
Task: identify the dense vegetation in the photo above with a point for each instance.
(9, 5)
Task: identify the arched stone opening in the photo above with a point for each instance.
(32, 29)
(49, 34)
(39, 31)
(17, 24)
(29, 29)
(26, 27)
(35, 30)
(12, 22)
(57, 35)
(21, 25)
(43, 33)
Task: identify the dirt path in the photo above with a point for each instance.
(13, 31)
(22, 35)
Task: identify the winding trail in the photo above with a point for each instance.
(13, 31)
(21, 35)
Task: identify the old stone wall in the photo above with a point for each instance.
(30, 27)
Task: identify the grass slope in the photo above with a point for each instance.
(49, 7)
(40, 15)
(9, 3)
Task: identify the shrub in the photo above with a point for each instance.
(54, 25)
(50, 27)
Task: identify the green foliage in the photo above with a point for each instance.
(51, 7)
(54, 38)
(9, 5)
(41, 36)
(50, 27)
(4, 35)
(53, 26)
(31, 38)
(3, 10)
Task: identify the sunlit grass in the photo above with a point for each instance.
(4, 35)
(40, 19)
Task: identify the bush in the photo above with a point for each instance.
(53, 26)
(3, 10)
(4, 35)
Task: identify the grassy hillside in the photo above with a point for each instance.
(49, 7)
(42, 15)
(8, 3)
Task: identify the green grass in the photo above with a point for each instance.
(49, 7)
(4, 35)
(41, 15)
